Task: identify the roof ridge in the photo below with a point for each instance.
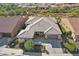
(20, 33)
(29, 26)
(26, 29)
(53, 28)
(47, 29)
(50, 26)
(36, 21)
(30, 19)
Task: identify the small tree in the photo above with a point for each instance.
(70, 46)
(28, 44)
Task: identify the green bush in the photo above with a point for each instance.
(69, 33)
(66, 33)
(70, 46)
(28, 44)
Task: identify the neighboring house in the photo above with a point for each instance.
(42, 5)
(29, 5)
(33, 5)
(72, 24)
(11, 25)
(45, 27)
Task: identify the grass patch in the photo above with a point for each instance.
(71, 47)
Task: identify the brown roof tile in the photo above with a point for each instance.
(7, 24)
(75, 24)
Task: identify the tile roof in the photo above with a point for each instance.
(7, 24)
(74, 21)
(42, 24)
(32, 20)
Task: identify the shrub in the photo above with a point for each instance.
(66, 33)
(28, 44)
(70, 46)
(62, 28)
(69, 33)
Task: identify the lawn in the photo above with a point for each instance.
(71, 47)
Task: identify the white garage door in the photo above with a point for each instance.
(52, 36)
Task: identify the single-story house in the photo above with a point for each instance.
(72, 24)
(33, 5)
(29, 5)
(42, 5)
(11, 25)
(43, 26)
